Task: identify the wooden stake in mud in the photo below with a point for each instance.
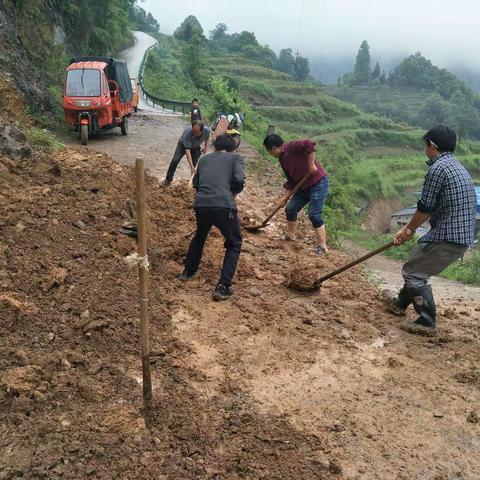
(143, 298)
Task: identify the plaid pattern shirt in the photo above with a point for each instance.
(449, 197)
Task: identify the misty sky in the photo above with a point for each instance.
(446, 31)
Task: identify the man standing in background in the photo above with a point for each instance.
(189, 145)
(195, 113)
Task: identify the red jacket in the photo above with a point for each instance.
(294, 162)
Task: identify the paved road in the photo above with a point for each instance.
(133, 56)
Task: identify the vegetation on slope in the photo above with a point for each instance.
(368, 156)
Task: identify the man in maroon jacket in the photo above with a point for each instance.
(297, 159)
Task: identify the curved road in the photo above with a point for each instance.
(133, 56)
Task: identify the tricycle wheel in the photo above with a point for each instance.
(238, 139)
(84, 134)
(124, 125)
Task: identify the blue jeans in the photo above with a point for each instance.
(315, 196)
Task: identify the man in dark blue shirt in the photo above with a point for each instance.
(449, 201)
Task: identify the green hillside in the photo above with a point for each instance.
(367, 156)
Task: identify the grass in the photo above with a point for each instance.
(43, 139)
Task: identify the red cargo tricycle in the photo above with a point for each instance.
(97, 95)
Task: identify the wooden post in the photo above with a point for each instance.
(143, 292)
(271, 129)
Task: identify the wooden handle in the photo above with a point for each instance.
(292, 193)
(353, 263)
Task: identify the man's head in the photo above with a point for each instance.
(197, 128)
(439, 139)
(274, 145)
(195, 102)
(224, 143)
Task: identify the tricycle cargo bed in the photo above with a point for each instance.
(116, 70)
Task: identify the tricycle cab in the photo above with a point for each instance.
(93, 100)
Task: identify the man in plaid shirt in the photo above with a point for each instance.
(449, 201)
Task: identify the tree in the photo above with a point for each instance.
(220, 31)
(286, 61)
(189, 28)
(194, 60)
(376, 71)
(362, 64)
(302, 69)
(243, 39)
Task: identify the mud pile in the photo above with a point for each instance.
(70, 398)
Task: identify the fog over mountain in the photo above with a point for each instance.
(329, 32)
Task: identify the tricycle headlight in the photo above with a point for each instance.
(83, 103)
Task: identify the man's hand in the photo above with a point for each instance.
(402, 236)
(192, 170)
(204, 151)
(312, 168)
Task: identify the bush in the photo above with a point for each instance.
(44, 140)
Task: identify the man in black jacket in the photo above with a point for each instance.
(220, 177)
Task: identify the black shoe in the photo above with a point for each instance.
(222, 292)
(166, 183)
(186, 276)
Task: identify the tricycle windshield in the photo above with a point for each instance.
(83, 83)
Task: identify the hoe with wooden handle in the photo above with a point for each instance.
(254, 228)
(316, 285)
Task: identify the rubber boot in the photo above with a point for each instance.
(398, 305)
(424, 305)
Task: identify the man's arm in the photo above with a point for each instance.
(238, 176)
(408, 231)
(188, 154)
(434, 182)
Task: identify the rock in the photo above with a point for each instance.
(80, 225)
(21, 357)
(21, 380)
(56, 278)
(438, 415)
(95, 325)
(56, 171)
(307, 321)
(334, 467)
(85, 314)
(39, 396)
(255, 291)
(321, 461)
(94, 368)
(75, 358)
(20, 227)
(473, 417)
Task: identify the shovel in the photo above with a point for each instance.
(254, 228)
(316, 285)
